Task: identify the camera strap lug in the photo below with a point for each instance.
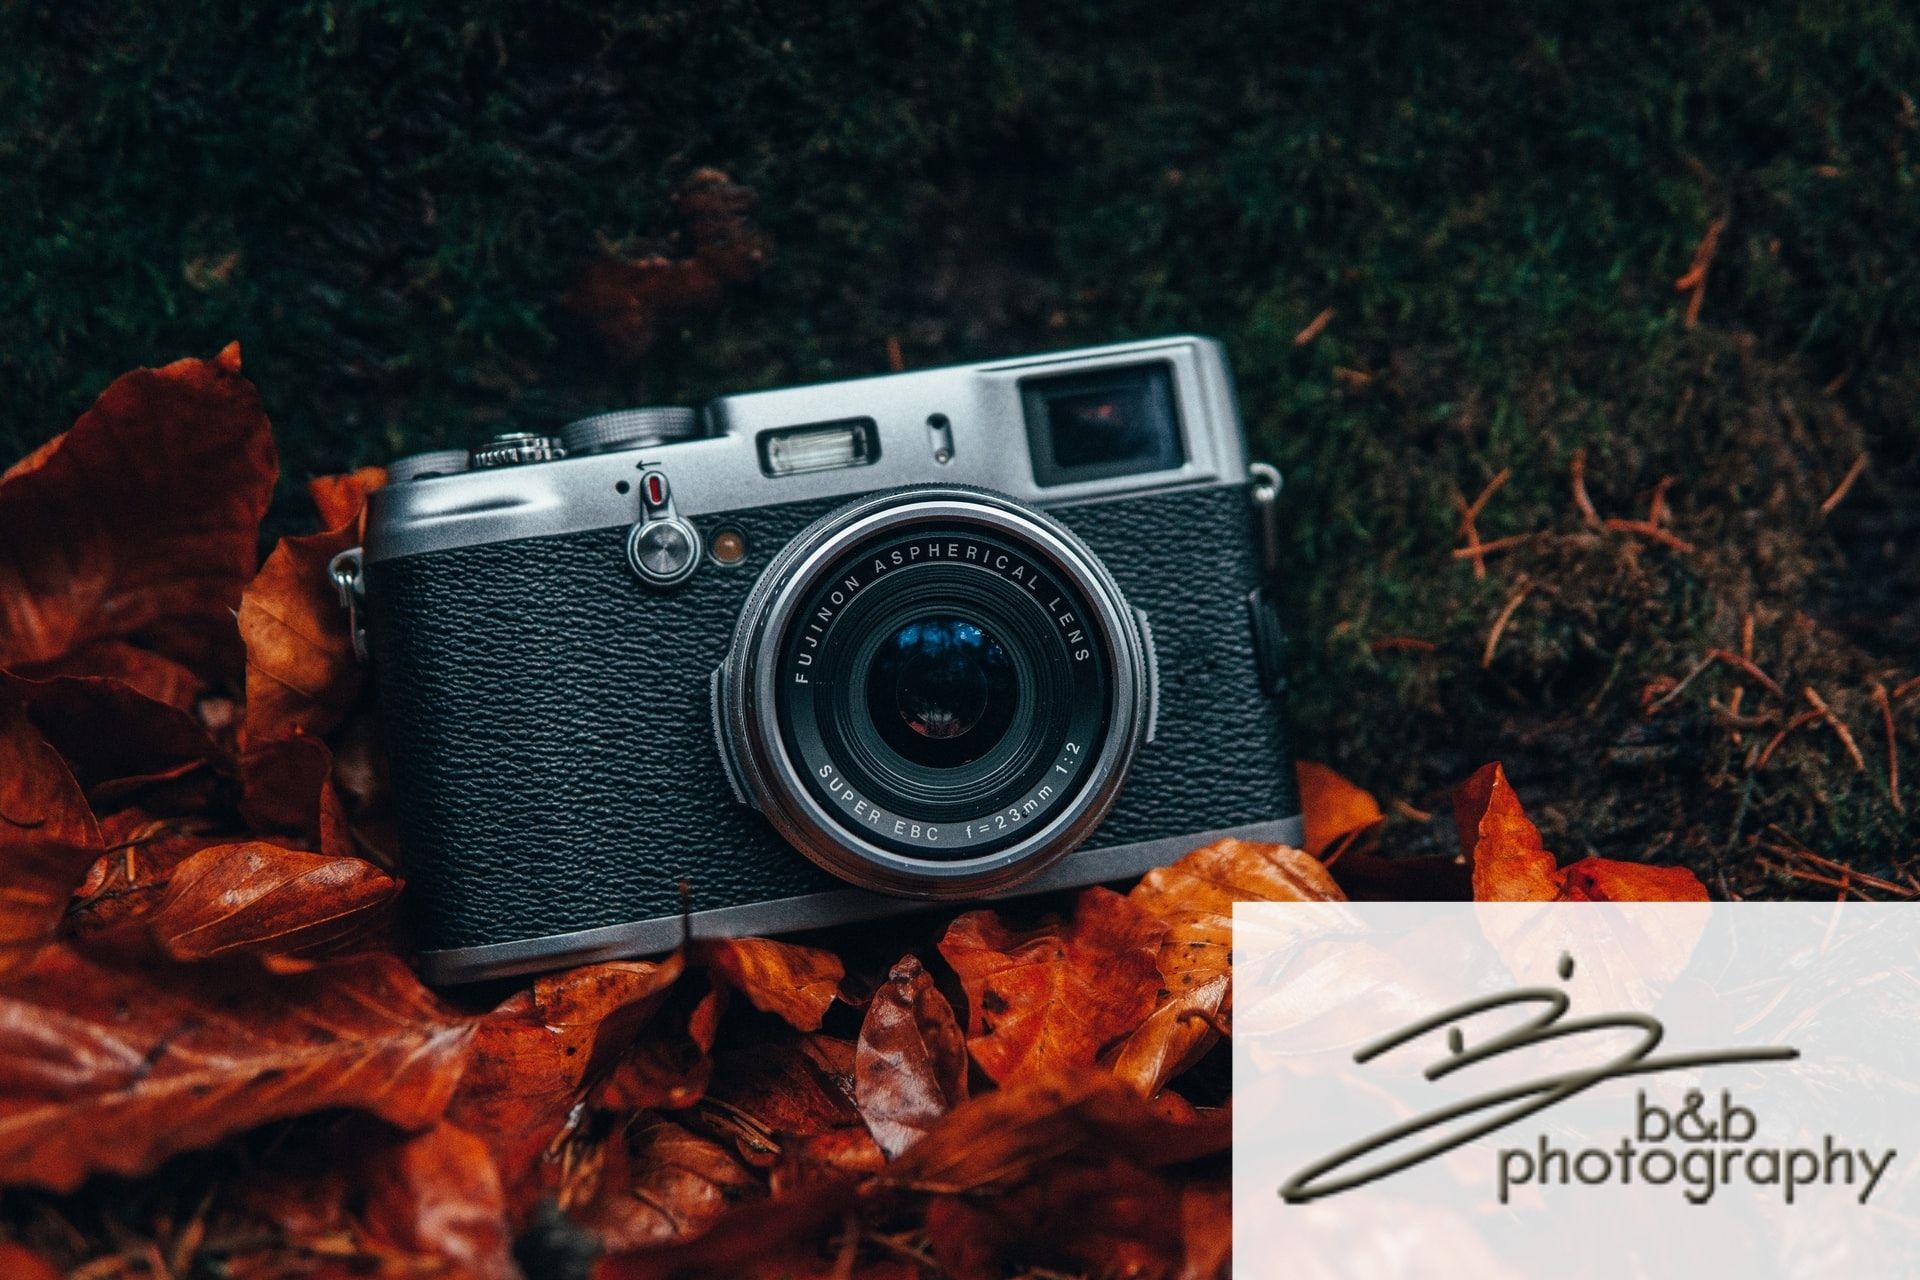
(347, 571)
(1266, 501)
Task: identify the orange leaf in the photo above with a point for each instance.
(796, 983)
(1056, 995)
(1511, 863)
(141, 670)
(662, 1184)
(437, 1194)
(17, 1262)
(302, 676)
(1610, 880)
(535, 1056)
(910, 1063)
(113, 1072)
(48, 838)
(997, 1139)
(147, 510)
(260, 898)
(339, 499)
(1333, 806)
(1173, 1038)
(1195, 897)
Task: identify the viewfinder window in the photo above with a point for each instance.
(1094, 426)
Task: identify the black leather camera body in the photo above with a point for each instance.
(811, 655)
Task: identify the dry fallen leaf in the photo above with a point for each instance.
(796, 983)
(1511, 863)
(302, 676)
(535, 1057)
(147, 510)
(436, 1194)
(1334, 807)
(259, 898)
(103, 1070)
(1195, 897)
(48, 838)
(661, 1183)
(910, 1063)
(998, 1138)
(1054, 996)
(340, 499)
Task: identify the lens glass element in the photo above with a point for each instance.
(941, 690)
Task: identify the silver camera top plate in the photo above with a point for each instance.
(970, 413)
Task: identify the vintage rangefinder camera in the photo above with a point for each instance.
(805, 656)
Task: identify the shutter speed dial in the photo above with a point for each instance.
(629, 429)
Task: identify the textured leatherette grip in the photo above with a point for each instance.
(552, 743)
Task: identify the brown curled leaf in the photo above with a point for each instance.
(1054, 996)
(145, 512)
(48, 837)
(794, 982)
(259, 898)
(302, 676)
(437, 1195)
(111, 1071)
(1512, 864)
(910, 1063)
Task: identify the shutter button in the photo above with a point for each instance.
(662, 549)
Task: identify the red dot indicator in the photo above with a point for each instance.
(656, 489)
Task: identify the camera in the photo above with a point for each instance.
(812, 655)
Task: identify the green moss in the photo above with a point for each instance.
(385, 203)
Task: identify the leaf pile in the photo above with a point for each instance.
(215, 1061)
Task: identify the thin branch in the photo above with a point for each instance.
(1846, 482)
(1834, 722)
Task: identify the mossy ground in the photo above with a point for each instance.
(386, 203)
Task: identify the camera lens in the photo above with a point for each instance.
(934, 692)
(941, 691)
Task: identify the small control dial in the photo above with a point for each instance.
(423, 466)
(629, 429)
(515, 448)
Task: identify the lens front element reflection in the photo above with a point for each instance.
(941, 691)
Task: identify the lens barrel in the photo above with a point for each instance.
(935, 692)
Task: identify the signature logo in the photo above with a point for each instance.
(1463, 1121)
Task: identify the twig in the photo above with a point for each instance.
(1800, 721)
(1846, 482)
(1313, 329)
(1695, 279)
(1657, 507)
(1389, 644)
(1580, 499)
(1352, 379)
(1500, 623)
(895, 360)
(1745, 664)
(1470, 512)
(1475, 548)
(1406, 810)
(1833, 721)
(1881, 700)
(1904, 688)
(1648, 530)
(1494, 485)
(1854, 873)
(1682, 683)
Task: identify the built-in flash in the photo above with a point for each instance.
(824, 447)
